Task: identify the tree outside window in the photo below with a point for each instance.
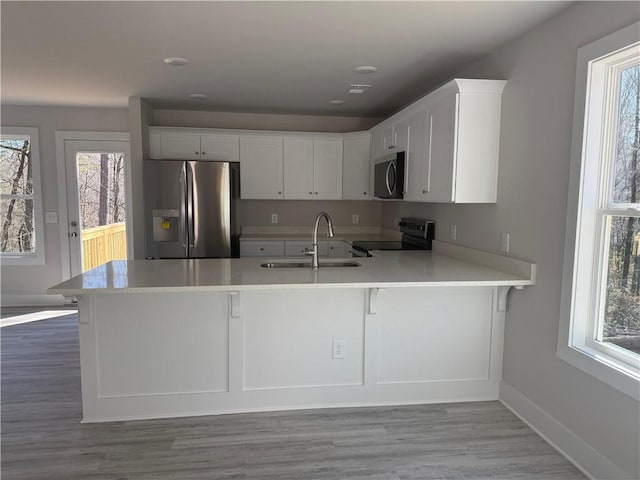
(621, 316)
(18, 200)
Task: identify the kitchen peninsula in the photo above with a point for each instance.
(166, 338)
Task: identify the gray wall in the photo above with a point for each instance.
(536, 128)
(261, 121)
(303, 213)
(31, 281)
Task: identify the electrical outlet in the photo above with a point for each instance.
(274, 218)
(355, 218)
(453, 232)
(504, 242)
(337, 352)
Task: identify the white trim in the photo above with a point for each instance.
(63, 212)
(16, 300)
(37, 258)
(586, 459)
(577, 271)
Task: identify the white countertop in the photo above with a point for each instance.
(446, 265)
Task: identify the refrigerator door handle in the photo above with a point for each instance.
(190, 205)
(183, 210)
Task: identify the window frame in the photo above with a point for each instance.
(588, 211)
(38, 257)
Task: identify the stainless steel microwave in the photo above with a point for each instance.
(389, 176)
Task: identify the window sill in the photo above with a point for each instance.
(614, 373)
(21, 260)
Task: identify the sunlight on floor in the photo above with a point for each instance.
(34, 317)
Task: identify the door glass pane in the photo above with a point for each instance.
(18, 234)
(102, 207)
(626, 188)
(621, 322)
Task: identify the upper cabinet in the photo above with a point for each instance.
(194, 146)
(356, 176)
(261, 167)
(327, 169)
(451, 139)
(312, 169)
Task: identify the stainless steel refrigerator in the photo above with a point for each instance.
(190, 209)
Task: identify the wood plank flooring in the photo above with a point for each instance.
(43, 439)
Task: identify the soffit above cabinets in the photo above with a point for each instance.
(269, 57)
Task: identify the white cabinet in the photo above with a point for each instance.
(223, 148)
(312, 169)
(194, 146)
(298, 168)
(416, 166)
(327, 169)
(356, 181)
(451, 139)
(261, 167)
(393, 137)
(261, 248)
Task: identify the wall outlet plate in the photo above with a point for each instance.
(355, 218)
(274, 218)
(453, 232)
(504, 242)
(337, 351)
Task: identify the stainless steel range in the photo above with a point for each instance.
(417, 234)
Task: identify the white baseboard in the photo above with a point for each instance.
(588, 460)
(12, 300)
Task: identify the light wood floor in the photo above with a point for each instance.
(43, 439)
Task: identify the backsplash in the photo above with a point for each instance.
(300, 212)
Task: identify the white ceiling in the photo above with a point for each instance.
(280, 57)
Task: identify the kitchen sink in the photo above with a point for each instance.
(285, 264)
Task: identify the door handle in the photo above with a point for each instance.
(73, 234)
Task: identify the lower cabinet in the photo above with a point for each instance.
(275, 348)
(261, 248)
(293, 248)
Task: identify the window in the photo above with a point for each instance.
(21, 234)
(600, 322)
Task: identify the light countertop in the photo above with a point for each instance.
(446, 265)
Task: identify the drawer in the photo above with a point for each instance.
(261, 248)
(339, 249)
(296, 248)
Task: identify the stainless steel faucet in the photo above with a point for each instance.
(314, 248)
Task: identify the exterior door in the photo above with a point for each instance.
(96, 202)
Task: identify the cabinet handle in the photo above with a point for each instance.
(261, 249)
(310, 193)
(391, 147)
(197, 153)
(364, 193)
(424, 192)
(203, 153)
(316, 193)
(279, 192)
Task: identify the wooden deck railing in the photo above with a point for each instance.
(103, 244)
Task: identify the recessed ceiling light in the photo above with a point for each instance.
(365, 69)
(358, 88)
(337, 102)
(198, 96)
(176, 61)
